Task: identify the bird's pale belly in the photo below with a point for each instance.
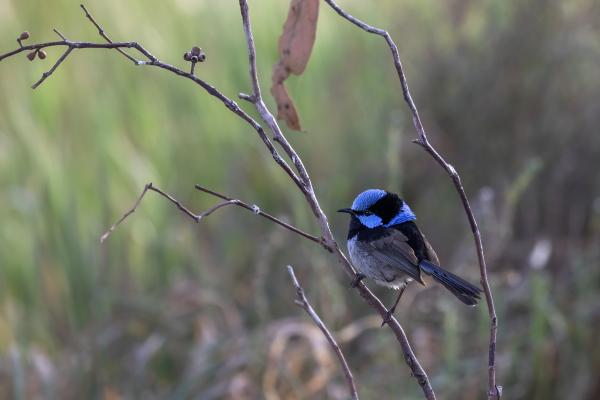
(372, 268)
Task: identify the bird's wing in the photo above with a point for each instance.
(430, 252)
(393, 249)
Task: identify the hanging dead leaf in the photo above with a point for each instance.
(295, 45)
(298, 37)
(285, 106)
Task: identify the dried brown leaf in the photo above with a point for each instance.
(298, 37)
(295, 46)
(285, 105)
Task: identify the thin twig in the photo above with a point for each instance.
(228, 201)
(494, 391)
(256, 210)
(79, 45)
(103, 34)
(51, 70)
(59, 34)
(264, 112)
(150, 186)
(303, 303)
(329, 241)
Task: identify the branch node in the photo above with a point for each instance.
(248, 97)
(452, 170)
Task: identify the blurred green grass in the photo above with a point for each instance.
(170, 309)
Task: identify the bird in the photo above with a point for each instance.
(386, 245)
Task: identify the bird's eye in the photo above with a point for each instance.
(367, 213)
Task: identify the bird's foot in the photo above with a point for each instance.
(359, 277)
(390, 313)
(388, 316)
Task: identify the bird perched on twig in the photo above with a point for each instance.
(386, 245)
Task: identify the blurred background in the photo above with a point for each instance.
(166, 308)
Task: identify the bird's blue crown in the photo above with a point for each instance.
(368, 198)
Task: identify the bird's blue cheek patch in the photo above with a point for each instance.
(404, 215)
(370, 221)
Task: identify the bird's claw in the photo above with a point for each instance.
(359, 277)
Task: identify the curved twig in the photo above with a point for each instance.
(302, 302)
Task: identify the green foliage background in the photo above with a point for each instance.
(166, 308)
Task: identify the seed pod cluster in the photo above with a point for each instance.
(41, 54)
(196, 54)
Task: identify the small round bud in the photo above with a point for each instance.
(194, 59)
(196, 50)
(31, 56)
(24, 36)
(187, 56)
(42, 54)
(201, 57)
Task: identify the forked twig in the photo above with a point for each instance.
(302, 302)
(103, 34)
(228, 201)
(51, 70)
(256, 210)
(150, 186)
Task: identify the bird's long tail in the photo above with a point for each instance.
(463, 290)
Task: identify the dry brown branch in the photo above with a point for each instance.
(303, 303)
(228, 201)
(494, 391)
(256, 210)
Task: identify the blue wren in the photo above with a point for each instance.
(386, 245)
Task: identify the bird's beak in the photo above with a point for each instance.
(347, 211)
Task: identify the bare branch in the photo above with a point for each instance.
(262, 109)
(51, 70)
(150, 186)
(494, 391)
(256, 210)
(228, 201)
(302, 302)
(103, 34)
(79, 45)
